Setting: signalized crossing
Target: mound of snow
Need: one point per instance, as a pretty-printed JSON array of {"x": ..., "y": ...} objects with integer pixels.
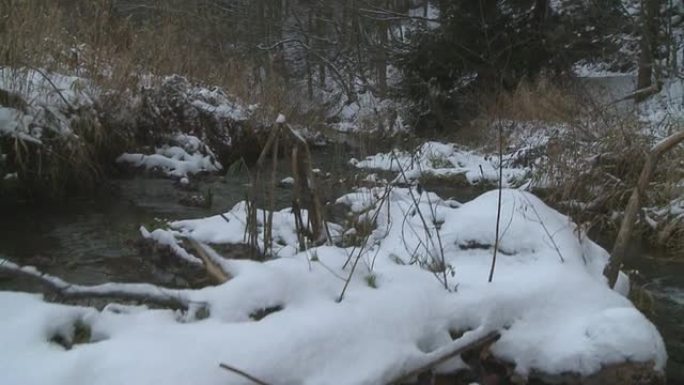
[{"x": 548, "y": 299}]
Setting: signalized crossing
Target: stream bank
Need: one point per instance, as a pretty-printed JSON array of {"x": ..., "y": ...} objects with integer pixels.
[{"x": 92, "y": 241}]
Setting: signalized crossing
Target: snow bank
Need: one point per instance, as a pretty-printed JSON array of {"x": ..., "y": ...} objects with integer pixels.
[
  {"x": 442, "y": 160},
  {"x": 189, "y": 156},
  {"x": 548, "y": 298}
]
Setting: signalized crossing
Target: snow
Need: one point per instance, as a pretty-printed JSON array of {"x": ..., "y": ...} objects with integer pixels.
[
  {"x": 445, "y": 160},
  {"x": 190, "y": 157},
  {"x": 369, "y": 114},
  {"x": 585, "y": 69},
  {"x": 43, "y": 102},
  {"x": 212, "y": 101},
  {"x": 230, "y": 228},
  {"x": 665, "y": 109},
  {"x": 287, "y": 182},
  {"x": 548, "y": 299}
]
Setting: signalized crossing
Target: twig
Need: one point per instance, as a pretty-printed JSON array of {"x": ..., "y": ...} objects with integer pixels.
[
  {"x": 498, "y": 205},
  {"x": 546, "y": 230},
  {"x": 425, "y": 226},
  {"x": 361, "y": 249},
  {"x": 59, "y": 92},
  {"x": 243, "y": 374}
]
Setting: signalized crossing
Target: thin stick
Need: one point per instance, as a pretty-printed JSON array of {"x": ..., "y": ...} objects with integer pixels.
[
  {"x": 243, "y": 374},
  {"x": 268, "y": 229},
  {"x": 498, "y": 205}
]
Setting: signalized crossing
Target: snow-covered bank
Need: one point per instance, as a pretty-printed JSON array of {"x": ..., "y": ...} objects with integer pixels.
[
  {"x": 60, "y": 132},
  {"x": 43, "y": 111},
  {"x": 446, "y": 160},
  {"x": 281, "y": 320},
  {"x": 186, "y": 155}
]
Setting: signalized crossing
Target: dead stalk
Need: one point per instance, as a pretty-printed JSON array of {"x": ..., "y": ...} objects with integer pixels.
[
  {"x": 427, "y": 228},
  {"x": 243, "y": 374},
  {"x": 498, "y": 206}
]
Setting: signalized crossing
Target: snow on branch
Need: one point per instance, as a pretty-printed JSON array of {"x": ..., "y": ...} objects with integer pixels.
[
  {"x": 471, "y": 340},
  {"x": 144, "y": 292}
]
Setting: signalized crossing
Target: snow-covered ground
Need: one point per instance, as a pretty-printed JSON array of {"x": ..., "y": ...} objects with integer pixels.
[{"x": 548, "y": 299}]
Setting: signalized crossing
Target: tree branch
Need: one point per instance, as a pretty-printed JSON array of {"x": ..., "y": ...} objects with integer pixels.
[
  {"x": 469, "y": 341},
  {"x": 143, "y": 292},
  {"x": 612, "y": 269}
]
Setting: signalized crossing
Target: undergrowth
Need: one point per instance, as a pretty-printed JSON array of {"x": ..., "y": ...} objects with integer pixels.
[{"x": 121, "y": 55}]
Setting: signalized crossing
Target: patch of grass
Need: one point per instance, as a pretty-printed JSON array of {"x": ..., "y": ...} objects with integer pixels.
[
  {"x": 80, "y": 333},
  {"x": 438, "y": 161},
  {"x": 372, "y": 280}
]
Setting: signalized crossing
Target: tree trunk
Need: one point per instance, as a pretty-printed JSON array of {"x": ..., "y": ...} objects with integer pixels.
[{"x": 650, "y": 12}]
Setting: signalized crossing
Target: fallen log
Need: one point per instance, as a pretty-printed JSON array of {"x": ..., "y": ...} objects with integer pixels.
[{"x": 139, "y": 292}]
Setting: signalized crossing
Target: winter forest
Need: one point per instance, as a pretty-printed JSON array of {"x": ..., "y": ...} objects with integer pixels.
[{"x": 342, "y": 192}]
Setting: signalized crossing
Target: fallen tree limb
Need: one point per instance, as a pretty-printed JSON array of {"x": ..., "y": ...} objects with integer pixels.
[
  {"x": 212, "y": 266},
  {"x": 620, "y": 247},
  {"x": 142, "y": 292},
  {"x": 469, "y": 341}
]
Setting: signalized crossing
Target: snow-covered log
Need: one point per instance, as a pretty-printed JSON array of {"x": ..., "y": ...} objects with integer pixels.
[{"x": 142, "y": 292}]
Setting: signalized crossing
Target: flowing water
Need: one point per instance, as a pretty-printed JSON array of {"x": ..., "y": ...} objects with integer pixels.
[{"x": 91, "y": 241}]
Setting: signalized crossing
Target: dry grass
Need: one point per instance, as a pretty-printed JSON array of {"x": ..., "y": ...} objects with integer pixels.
[
  {"x": 120, "y": 54},
  {"x": 591, "y": 172},
  {"x": 592, "y": 160},
  {"x": 539, "y": 100},
  {"x": 91, "y": 39}
]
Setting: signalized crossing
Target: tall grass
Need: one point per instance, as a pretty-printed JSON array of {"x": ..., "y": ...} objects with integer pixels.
[{"x": 120, "y": 53}]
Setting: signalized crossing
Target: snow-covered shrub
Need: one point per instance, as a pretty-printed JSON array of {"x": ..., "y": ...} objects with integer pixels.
[
  {"x": 51, "y": 131},
  {"x": 177, "y": 105}
]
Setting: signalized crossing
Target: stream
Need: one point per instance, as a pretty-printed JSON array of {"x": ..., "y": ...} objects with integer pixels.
[{"x": 91, "y": 240}]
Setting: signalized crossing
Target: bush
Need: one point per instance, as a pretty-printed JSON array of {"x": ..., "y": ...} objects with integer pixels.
[{"x": 490, "y": 46}]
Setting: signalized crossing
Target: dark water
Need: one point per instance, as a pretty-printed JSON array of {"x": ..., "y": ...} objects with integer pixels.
[
  {"x": 91, "y": 241},
  {"x": 662, "y": 279}
]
